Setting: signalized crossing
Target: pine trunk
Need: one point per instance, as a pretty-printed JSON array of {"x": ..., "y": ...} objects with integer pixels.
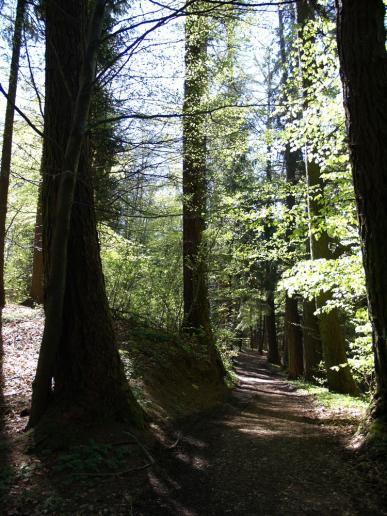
[
  {"x": 262, "y": 344},
  {"x": 79, "y": 376},
  {"x": 361, "y": 37},
  {"x": 292, "y": 331}
]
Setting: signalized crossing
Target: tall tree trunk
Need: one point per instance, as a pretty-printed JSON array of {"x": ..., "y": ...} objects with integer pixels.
[
  {"x": 270, "y": 280},
  {"x": 293, "y": 336},
  {"x": 36, "y": 288},
  {"x": 6, "y": 153},
  {"x": 196, "y": 303},
  {"x": 197, "y": 321},
  {"x": 271, "y": 331},
  {"x": 262, "y": 344},
  {"x": 310, "y": 346},
  {"x": 292, "y": 330},
  {"x": 78, "y": 352},
  {"x": 332, "y": 334},
  {"x": 311, "y": 340},
  {"x": 361, "y": 38}
]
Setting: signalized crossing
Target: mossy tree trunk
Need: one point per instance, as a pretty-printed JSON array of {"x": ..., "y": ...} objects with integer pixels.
[
  {"x": 196, "y": 321},
  {"x": 361, "y": 38},
  {"x": 196, "y": 303}
]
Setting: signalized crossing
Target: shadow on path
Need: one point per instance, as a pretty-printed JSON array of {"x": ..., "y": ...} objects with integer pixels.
[{"x": 262, "y": 453}]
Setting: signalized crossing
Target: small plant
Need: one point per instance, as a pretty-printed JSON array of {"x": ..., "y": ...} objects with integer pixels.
[
  {"x": 91, "y": 459},
  {"x": 26, "y": 470}
]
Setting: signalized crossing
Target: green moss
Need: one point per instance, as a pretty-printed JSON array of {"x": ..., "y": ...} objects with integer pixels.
[
  {"x": 331, "y": 400},
  {"x": 376, "y": 434}
]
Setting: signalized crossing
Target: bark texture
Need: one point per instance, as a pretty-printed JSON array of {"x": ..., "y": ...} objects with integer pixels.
[
  {"x": 6, "y": 154},
  {"x": 78, "y": 353},
  {"x": 312, "y": 351},
  {"x": 270, "y": 330},
  {"x": 36, "y": 289},
  {"x": 361, "y": 38},
  {"x": 292, "y": 328},
  {"x": 293, "y": 336}
]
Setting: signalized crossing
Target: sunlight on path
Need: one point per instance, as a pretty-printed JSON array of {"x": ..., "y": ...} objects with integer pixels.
[{"x": 264, "y": 453}]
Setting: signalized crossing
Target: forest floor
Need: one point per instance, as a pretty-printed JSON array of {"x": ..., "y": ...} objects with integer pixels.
[{"x": 269, "y": 449}]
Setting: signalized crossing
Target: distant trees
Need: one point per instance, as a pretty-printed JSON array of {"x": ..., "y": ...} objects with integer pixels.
[{"x": 361, "y": 37}]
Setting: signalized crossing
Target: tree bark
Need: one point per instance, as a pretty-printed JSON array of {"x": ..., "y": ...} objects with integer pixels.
[
  {"x": 6, "y": 154},
  {"x": 293, "y": 336},
  {"x": 292, "y": 329},
  {"x": 361, "y": 38},
  {"x": 78, "y": 352},
  {"x": 270, "y": 330},
  {"x": 312, "y": 350},
  {"x": 36, "y": 289},
  {"x": 332, "y": 333}
]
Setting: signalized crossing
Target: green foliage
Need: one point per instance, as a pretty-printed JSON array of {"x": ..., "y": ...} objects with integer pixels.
[
  {"x": 21, "y": 214},
  {"x": 143, "y": 277},
  {"x": 343, "y": 277},
  {"x": 361, "y": 353}
]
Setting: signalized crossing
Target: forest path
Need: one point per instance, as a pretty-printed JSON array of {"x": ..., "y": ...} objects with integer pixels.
[{"x": 262, "y": 453}]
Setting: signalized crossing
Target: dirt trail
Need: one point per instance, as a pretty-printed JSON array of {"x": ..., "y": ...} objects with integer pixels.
[{"x": 263, "y": 453}]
